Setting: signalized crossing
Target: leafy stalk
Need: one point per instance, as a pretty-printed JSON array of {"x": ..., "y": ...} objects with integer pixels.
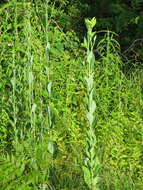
[{"x": 92, "y": 165}]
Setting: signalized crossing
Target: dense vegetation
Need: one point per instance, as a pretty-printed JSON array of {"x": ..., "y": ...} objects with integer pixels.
[{"x": 71, "y": 101}]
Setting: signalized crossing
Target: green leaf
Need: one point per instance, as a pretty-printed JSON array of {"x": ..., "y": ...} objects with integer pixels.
[
  {"x": 96, "y": 181},
  {"x": 48, "y": 46},
  {"x": 91, "y": 59},
  {"x": 31, "y": 78},
  {"x": 52, "y": 147},
  {"x": 89, "y": 81},
  {"x": 87, "y": 175},
  {"x": 93, "y": 106},
  {"x": 34, "y": 107},
  {"x": 85, "y": 44},
  {"x": 90, "y": 23},
  {"x": 49, "y": 86},
  {"x": 90, "y": 118}
]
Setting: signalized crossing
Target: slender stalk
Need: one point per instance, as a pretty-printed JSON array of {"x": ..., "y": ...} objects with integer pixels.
[
  {"x": 92, "y": 165},
  {"x": 13, "y": 81},
  {"x": 29, "y": 70},
  {"x": 47, "y": 51}
]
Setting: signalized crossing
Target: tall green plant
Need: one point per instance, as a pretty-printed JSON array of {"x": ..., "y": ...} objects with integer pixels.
[{"x": 92, "y": 165}]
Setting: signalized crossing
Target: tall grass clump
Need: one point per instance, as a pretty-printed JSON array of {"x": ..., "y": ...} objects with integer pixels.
[
  {"x": 39, "y": 86},
  {"x": 92, "y": 165},
  {"x": 118, "y": 118},
  {"x": 27, "y": 159}
]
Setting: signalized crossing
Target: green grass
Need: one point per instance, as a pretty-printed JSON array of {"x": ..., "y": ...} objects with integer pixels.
[{"x": 44, "y": 101}]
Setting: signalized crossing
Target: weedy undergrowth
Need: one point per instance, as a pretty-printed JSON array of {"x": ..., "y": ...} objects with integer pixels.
[
  {"x": 28, "y": 163},
  {"x": 52, "y": 145},
  {"x": 92, "y": 164},
  {"x": 42, "y": 102}
]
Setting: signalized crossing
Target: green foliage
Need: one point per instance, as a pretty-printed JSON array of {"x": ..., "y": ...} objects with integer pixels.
[
  {"x": 5, "y": 130},
  {"x": 45, "y": 98},
  {"x": 27, "y": 167},
  {"x": 122, "y": 17}
]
